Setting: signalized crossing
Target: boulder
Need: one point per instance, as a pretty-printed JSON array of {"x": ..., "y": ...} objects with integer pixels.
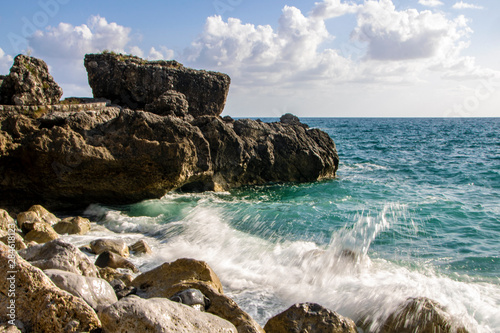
[
  {"x": 133, "y": 82},
  {"x": 6, "y": 221},
  {"x": 36, "y": 214},
  {"x": 29, "y": 83},
  {"x": 421, "y": 315},
  {"x": 140, "y": 247},
  {"x": 117, "y": 246},
  {"x": 110, "y": 274},
  {"x": 170, "y": 103},
  {"x": 14, "y": 238},
  {"x": 39, "y": 304},
  {"x": 7, "y": 328},
  {"x": 113, "y": 260},
  {"x": 95, "y": 291},
  {"x": 309, "y": 317},
  {"x": 73, "y": 225},
  {"x": 171, "y": 278},
  {"x": 41, "y": 233},
  {"x": 192, "y": 297},
  {"x": 134, "y": 314},
  {"x": 57, "y": 254}
]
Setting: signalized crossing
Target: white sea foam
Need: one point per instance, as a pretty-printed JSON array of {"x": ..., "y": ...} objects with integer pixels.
[{"x": 267, "y": 276}]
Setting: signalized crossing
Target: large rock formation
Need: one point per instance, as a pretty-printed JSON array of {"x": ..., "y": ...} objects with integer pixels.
[
  {"x": 133, "y": 82},
  {"x": 29, "y": 83},
  {"x": 119, "y": 156}
]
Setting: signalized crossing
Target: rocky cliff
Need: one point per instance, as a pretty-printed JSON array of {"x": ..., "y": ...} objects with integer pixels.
[{"x": 118, "y": 155}]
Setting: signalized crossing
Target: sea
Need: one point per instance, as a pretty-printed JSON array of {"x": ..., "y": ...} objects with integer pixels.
[{"x": 413, "y": 212}]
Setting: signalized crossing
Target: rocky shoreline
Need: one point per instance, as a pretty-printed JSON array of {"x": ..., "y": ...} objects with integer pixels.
[{"x": 163, "y": 133}]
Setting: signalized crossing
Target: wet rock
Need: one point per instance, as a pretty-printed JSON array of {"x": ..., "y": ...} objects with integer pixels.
[
  {"x": 95, "y": 291},
  {"x": 121, "y": 289},
  {"x": 134, "y": 314},
  {"x": 192, "y": 297},
  {"x": 39, "y": 304},
  {"x": 309, "y": 317},
  {"x": 113, "y": 260},
  {"x": 117, "y": 246},
  {"x": 170, "y": 278},
  {"x": 40, "y": 232},
  {"x": 140, "y": 247},
  {"x": 134, "y": 83},
  {"x": 29, "y": 83},
  {"x": 110, "y": 274},
  {"x": 421, "y": 315},
  {"x": 57, "y": 254},
  {"x": 73, "y": 225}
]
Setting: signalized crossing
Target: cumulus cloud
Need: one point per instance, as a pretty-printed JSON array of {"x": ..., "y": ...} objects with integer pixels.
[
  {"x": 162, "y": 54},
  {"x": 5, "y": 62},
  {"x": 464, "y": 5},
  {"x": 408, "y": 34},
  {"x": 335, "y": 8},
  {"x": 430, "y": 3},
  {"x": 68, "y": 41},
  {"x": 265, "y": 54}
]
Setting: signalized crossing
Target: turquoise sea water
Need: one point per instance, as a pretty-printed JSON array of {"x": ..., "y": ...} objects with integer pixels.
[{"x": 415, "y": 211}]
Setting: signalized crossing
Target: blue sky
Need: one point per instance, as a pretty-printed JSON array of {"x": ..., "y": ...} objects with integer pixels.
[{"x": 335, "y": 58}]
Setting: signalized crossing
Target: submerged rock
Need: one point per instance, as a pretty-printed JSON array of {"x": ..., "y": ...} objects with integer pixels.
[
  {"x": 134, "y": 314},
  {"x": 39, "y": 304},
  {"x": 29, "y": 83},
  {"x": 133, "y": 82}
]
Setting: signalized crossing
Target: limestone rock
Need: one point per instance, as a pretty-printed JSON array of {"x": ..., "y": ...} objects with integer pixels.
[
  {"x": 134, "y": 314},
  {"x": 113, "y": 260},
  {"x": 41, "y": 233},
  {"x": 7, "y": 328},
  {"x": 133, "y": 82},
  {"x": 14, "y": 238},
  {"x": 39, "y": 304},
  {"x": 29, "y": 83},
  {"x": 73, "y": 225},
  {"x": 57, "y": 254},
  {"x": 140, "y": 247},
  {"x": 36, "y": 214},
  {"x": 95, "y": 291},
  {"x": 110, "y": 274},
  {"x": 117, "y": 246},
  {"x": 309, "y": 317},
  {"x": 170, "y": 103},
  {"x": 6, "y": 221},
  {"x": 171, "y": 278},
  {"x": 421, "y": 315},
  {"x": 112, "y": 156}
]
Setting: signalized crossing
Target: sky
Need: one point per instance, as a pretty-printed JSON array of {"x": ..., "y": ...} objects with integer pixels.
[{"x": 324, "y": 58}]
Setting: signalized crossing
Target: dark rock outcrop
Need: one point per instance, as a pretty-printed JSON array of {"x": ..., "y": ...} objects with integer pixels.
[
  {"x": 29, "y": 83},
  {"x": 119, "y": 156},
  {"x": 133, "y": 82}
]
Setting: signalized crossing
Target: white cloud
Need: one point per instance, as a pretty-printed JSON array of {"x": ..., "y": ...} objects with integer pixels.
[
  {"x": 408, "y": 34},
  {"x": 68, "y": 41},
  {"x": 334, "y": 8},
  {"x": 464, "y": 5},
  {"x": 430, "y": 3},
  {"x": 162, "y": 54},
  {"x": 6, "y": 62}
]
